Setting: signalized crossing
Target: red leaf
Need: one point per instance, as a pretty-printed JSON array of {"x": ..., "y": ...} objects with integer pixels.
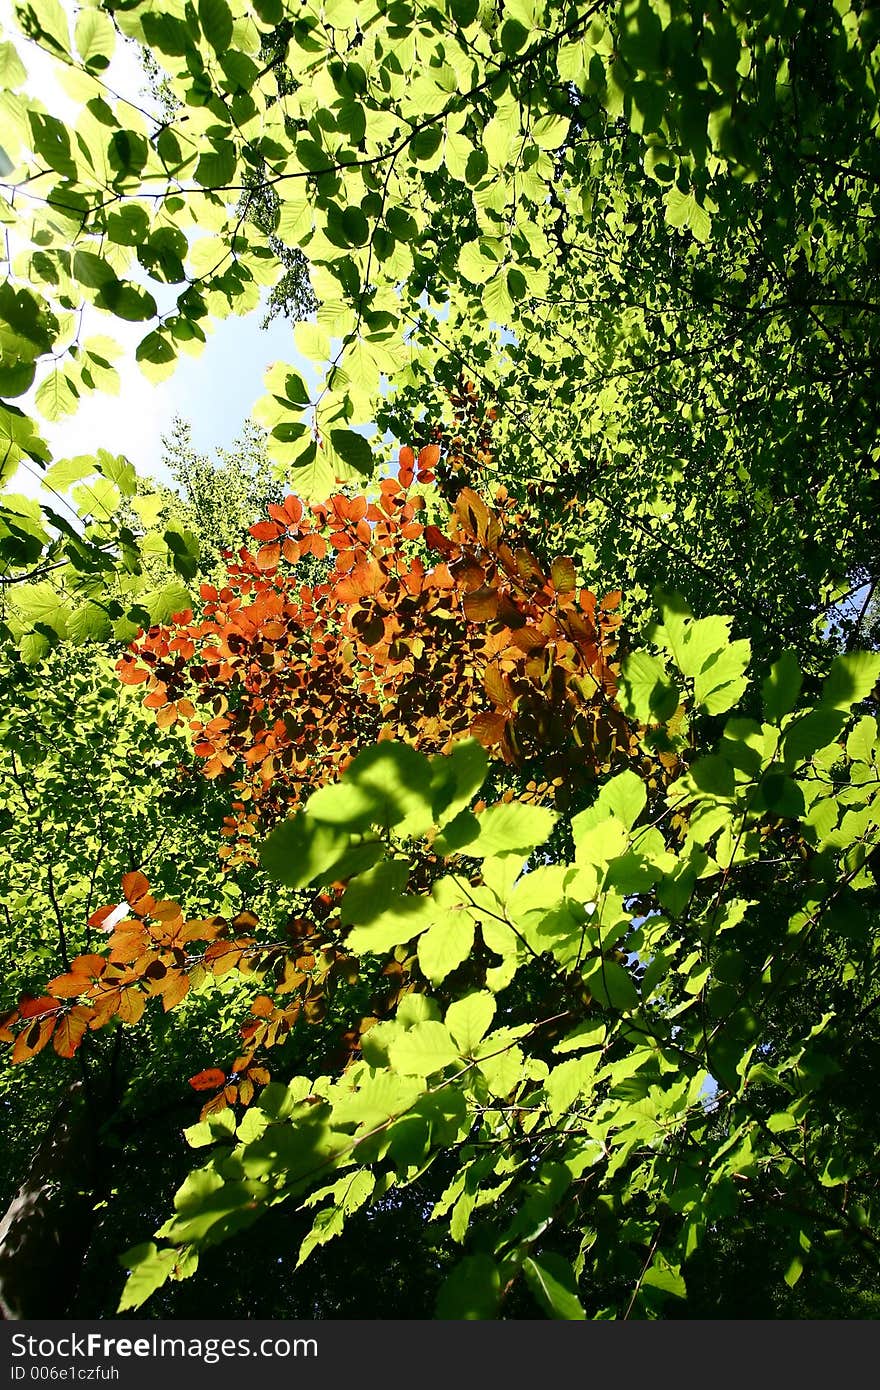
[
  {"x": 489, "y": 728},
  {"x": 34, "y": 1008},
  {"x": 130, "y": 673},
  {"x": 266, "y": 531},
  {"x": 406, "y": 458},
  {"x": 435, "y": 538},
  {"x": 98, "y": 918},
  {"x": 428, "y": 457},
  {"x": 208, "y": 1080}
]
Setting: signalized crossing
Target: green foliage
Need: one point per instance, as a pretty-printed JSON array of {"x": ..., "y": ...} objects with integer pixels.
[
  {"x": 652, "y": 1078},
  {"x": 620, "y": 261},
  {"x": 618, "y": 195}
]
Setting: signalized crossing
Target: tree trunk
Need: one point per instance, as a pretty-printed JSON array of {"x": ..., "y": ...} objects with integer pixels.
[{"x": 47, "y": 1227}]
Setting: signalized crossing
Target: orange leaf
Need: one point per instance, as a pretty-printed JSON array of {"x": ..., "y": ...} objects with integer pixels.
[
  {"x": 528, "y": 567},
  {"x": 6, "y": 1022},
  {"x": 70, "y": 1031},
  {"x": 245, "y": 921},
  {"x": 68, "y": 986},
  {"x": 98, "y": 918},
  {"x": 406, "y": 458},
  {"x": 132, "y": 1003},
  {"x": 166, "y": 717},
  {"x": 214, "y": 1105},
  {"x": 166, "y": 912},
  {"x": 174, "y": 990},
  {"x": 562, "y": 575},
  {"x": 32, "y": 1040},
  {"x": 481, "y": 605},
  {"x": 88, "y": 965},
  {"x": 268, "y": 556},
  {"x": 135, "y": 888},
  {"x": 208, "y": 1080}
]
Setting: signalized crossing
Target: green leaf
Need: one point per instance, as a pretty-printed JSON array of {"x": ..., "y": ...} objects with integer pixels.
[
  {"x": 371, "y": 893},
  {"x": 91, "y": 623},
  {"x": 216, "y": 168},
  {"x": 665, "y": 1277},
  {"x": 612, "y": 985},
  {"x": 456, "y": 777},
  {"x": 552, "y": 1281},
  {"x": 852, "y": 678},
  {"x": 215, "y": 18},
  {"x": 55, "y": 396},
  {"x": 497, "y": 299},
  {"x": 464, "y": 12},
  {"x": 387, "y": 785},
  {"x": 400, "y": 924},
  {"x": 67, "y": 471},
  {"x": 353, "y": 449},
  {"x": 41, "y": 603},
  {"x": 568, "y": 1080},
  {"x": 720, "y": 683},
  {"x": 782, "y": 687},
  {"x": 646, "y": 691},
  {"x": 469, "y": 1019},
  {"x": 33, "y": 646},
  {"x": 127, "y": 301},
  {"x": 447, "y": 942},
  {"x": 511, "y": 828},
  {"x": 157, "y": 356},
  {"x": 162, "y": 603},
  {"x": 12, "y": 70},
  {"x": 119, "y": 471},
  {"x": 471, "y": 1291},
  {"x": 424, "y": 1049},
  {"x": 300, "y": 851},
  {"x": 550, "y": 132},
  {"x": 683, "y": 210},
  {"x": 95, "y": 39},
  {"x": 149, "y": 1268}
]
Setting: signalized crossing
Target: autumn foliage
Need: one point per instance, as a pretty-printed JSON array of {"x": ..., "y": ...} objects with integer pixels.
[
  {"x": 355, "y": 620},
  {"x": 153, "y": 953},
  {"x": 351, "y": 622}
]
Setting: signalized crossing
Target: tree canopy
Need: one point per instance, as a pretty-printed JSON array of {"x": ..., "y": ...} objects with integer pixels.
[{"x": 461, "y": 801}]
